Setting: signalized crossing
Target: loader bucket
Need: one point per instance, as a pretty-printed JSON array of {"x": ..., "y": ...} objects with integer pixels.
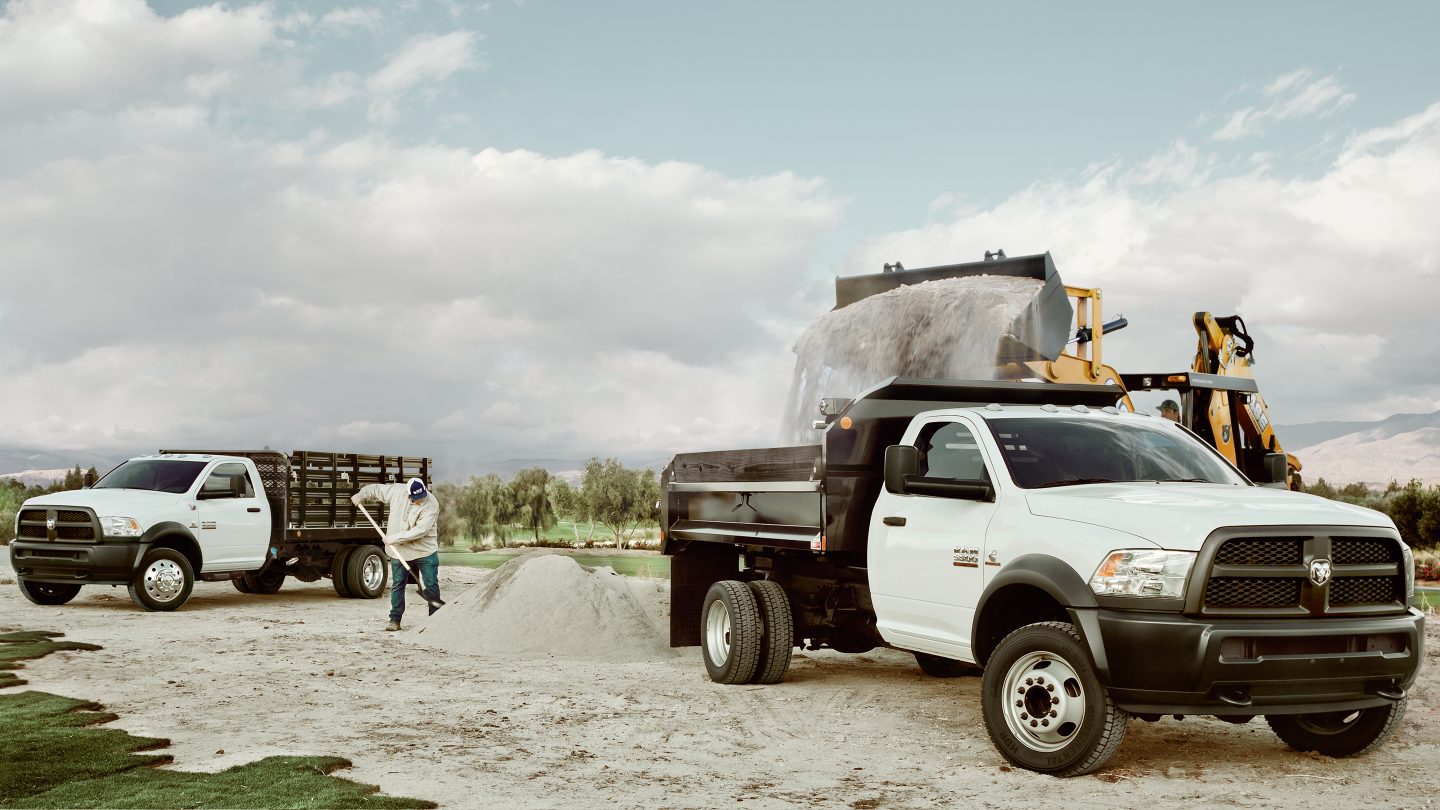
[{"x": 1040, "y": 332}]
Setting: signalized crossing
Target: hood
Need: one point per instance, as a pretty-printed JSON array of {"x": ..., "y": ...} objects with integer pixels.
[
  {"x": 108, "y": 502},
  {"x": 1181, "y": 516}
]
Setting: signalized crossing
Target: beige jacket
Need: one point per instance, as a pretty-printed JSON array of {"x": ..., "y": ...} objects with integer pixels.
[{"x": 410, "y": 526}]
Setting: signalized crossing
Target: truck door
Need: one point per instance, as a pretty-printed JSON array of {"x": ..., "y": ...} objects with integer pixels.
[
  {"x": 925, "y": 566},
  {"x": 234, "y": 532}
]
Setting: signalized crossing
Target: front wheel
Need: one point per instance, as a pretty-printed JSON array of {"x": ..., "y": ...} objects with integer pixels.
[
  {"x": 1339, "y": 734},
  {"x": 730, "y": 632},
  {"x": 163, "y": 581},
  {"x": 1044, "y": 707},
  {"x": 48, "y": 593}
]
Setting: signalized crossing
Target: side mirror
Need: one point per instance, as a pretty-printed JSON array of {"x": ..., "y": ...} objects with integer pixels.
[
  {"x": 90, "y": 479},
  {"x": 1276, "y": 468},
  {"x": 901, "y": 460}
]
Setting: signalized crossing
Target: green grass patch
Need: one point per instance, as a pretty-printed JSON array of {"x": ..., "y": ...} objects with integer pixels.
[
  {"x": 16, "y": 647},
  {"x": 53, "y": 755},
  {"x": 1427, "y": 598},
  {"x": 630, "y": 565}
]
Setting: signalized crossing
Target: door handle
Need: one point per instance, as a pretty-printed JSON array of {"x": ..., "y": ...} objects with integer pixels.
[
  {"x": 253, "y": 509},
  {"x": 894, "y": 521}
]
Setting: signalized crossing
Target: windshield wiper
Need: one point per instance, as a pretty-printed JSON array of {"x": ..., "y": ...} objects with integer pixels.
[{"x": 1075, "y": 482}]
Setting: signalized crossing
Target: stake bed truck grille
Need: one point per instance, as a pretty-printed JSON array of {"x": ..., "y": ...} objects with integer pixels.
[{"x": 69, "y": 524}]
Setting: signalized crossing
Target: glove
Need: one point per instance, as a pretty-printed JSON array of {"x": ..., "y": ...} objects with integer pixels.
[{"x": 391, "y": 552}]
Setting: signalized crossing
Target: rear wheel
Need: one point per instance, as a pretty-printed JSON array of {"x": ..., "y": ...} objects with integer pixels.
[
  {"x": 163, "y": 581},
  {"x": 1339, "y": 734},
  {"x": 337, "y": 572},
  {"x": 1044, "y": 707},
  {"x": 938, "y": 666},
  {"x": 730, "y": 632},
  {"x": 366, "y": 572},
  {"x": 241, "y": 584},
  {"x": 48, "y": 593},
  {"x": 267, "y": 579},
  {"x": 777, "y": 638}
]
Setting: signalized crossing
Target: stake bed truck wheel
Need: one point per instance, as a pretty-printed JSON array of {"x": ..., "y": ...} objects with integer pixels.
[
  {"x": 241, "y": 584},
  {"x": 366, "y": 572},
  {"x": 48, "y": 593},
  {"x": 1044, "y": 707},
  {"x": 267, "y": 579},
  {"x": 163, "y": 581},
  {"x": 938, "y": 666},
  {"x": 337, "y": 572},
  {"x": 777, "y": 637},
  {"x": 1339, "y": 734},
  {"x": 730, "y": 632}
]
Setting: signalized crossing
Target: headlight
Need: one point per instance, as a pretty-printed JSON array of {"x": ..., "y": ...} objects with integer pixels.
[
  {"x": 1409, "y": 573},
  {"x": 1137, "y": 572},
  {"x": 121, "y": 527}
]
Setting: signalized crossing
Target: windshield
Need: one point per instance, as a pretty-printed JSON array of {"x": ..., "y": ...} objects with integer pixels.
[
  {"x": 154, "y": 475},
  {"x": 1051, "y": 452}
]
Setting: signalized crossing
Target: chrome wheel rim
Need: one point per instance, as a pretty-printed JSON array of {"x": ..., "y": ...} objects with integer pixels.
[
  {"x": 1043, "y": 701},
  {"x": 164, "y": 580},
  {"x": 373, "y": 574},
  {"x": 717, "y": 632}
]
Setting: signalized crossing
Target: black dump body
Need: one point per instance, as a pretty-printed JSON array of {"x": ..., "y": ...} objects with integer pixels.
[
  {"x": 309, "y": 492},
  {"x": 819, "y": 498}
]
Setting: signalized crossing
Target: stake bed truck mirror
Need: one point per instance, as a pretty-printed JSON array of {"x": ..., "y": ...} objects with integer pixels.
[{"x": 1276, "y": 471}]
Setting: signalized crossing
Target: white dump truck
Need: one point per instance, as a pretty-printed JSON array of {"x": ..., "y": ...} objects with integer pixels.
[
  {"x": 157, "y": 523},
  {"x": 1094, "y": 564}
]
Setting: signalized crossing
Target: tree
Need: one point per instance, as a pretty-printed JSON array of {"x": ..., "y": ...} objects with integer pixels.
[
  {"x": 451, "y": 526},
  {"x": 619, "y": 497},
  {"x": 529, "y": 490},
  {"x": 568, "y": 504}
]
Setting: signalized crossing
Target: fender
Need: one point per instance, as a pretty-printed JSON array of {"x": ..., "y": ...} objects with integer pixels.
[
  {"x": 160, "y": 531},
  {"x": 1065, "y": 586}
]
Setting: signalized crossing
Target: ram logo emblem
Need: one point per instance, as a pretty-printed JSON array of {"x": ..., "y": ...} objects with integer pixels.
[
  {"x": 1320, "y": 572},
  {"x": 50, "y": 524}
]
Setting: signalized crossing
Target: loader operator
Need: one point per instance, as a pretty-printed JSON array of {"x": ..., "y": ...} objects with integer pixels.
[
  {"x": 1170, "y": 409},
  {"x": 410, "y": 534}
]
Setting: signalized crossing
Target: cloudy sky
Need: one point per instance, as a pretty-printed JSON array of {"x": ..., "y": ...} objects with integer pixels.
[{"x": 556, "y": 229}]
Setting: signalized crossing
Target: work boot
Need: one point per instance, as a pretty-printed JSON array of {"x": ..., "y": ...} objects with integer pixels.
[{"x": 393, "y": 625}]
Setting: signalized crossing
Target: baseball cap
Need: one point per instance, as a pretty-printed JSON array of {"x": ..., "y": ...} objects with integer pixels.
[
  {"x": 1168, "y": 405},
  {"x": 417, "y": 489}
]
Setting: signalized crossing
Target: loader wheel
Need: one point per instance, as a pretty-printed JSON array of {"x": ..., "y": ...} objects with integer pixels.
[
  {"x": 938, "y": 666},
  {"x": 163, "y": 580},
  {"x": 240, "y": 584},
  {"x": 1339, "y": 734},
  {"x": 337, "y": 572},
  {"x": 777, "y": 637},
  {"x": 268, "y": 579},
  {"x": 730, "y": 632},
  {"x": 1044, "y": 707},
  {"x": 366, "y": 572},
  {"x": 48, "y": 593}
]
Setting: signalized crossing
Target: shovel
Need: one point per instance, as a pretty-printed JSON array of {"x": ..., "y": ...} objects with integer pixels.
[{"x": 436, "y": 603}]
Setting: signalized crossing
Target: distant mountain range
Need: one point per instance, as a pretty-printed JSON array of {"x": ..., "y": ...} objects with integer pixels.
[{"x": 1397, "y": 448}]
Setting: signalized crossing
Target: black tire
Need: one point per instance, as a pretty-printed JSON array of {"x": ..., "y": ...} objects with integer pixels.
[
  {"x": 48, "y": 593},
  {"x": 777, "y": 636},
  {"x": 360, "y": 580},
  {"x": 268, "y": 579},
  {"x": 241, "y": 584},
  {"x": 1339, "y": 734},
  {"x": 730, "y": 632},
  {"x": 938, "y": 666},
  {"x": 163, "y": 581},
  {"x": 1041, "y": 674},
  {"x": 337, "y": 572}
]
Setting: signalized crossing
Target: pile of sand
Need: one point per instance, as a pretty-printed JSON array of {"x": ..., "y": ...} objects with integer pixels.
[{"x": 547, "y": 605}]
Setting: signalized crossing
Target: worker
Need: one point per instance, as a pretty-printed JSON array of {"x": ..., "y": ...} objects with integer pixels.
[
  {"x": 410, "y": 535},
  {"x": 1170, "y": 409}
]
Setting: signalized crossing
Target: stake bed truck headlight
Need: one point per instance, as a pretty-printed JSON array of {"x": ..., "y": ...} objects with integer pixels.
[
  {"x": 122, "y": 527},
  {"x": 1409, "y": 573},
  {"x": 1140, "y": 572}
]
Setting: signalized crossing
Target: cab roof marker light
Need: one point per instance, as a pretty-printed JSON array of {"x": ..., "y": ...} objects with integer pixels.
[{"x": 1048, "y": 408}]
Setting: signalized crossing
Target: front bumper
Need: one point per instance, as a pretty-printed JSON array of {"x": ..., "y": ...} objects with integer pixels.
[
  {"x": 109, "y": 563},
  {"x": 1165, "y": 663}
]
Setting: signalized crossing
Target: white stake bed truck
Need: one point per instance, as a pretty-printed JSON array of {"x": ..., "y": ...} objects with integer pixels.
[
  {"x": 157, "y": 523},
  {"x": 1095, "y": 564}
]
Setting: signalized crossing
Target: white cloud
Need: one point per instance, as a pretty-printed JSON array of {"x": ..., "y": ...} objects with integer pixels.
[
  {"x": 352, "y": 17},
  {"x": 1298, "y": 94},
  {"x": 1335, "y": 275},
  {"x": 419, "y": 64}
]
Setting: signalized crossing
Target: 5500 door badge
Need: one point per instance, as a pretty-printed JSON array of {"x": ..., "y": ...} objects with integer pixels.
[
  {"x": 967, "y": 557},
  {"x": 207, "y": 524}
]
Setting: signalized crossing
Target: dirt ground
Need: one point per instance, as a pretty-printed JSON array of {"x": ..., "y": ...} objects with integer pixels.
[{"x": 234, "y": 677}]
